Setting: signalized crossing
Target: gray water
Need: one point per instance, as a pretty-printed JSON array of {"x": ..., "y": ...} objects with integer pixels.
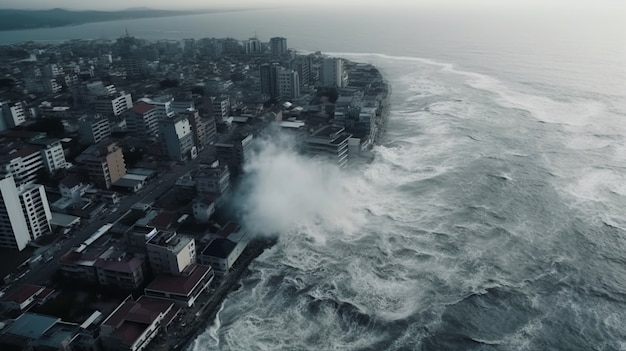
[{"x": 492, "y": 217}]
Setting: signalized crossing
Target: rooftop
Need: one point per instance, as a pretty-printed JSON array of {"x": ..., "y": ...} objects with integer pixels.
[
  {"x": 142, "y": 107},
  {"x": 180, "y": 284},
  {"x": 23, "y": 293},
  {"x": 220, "y": 248}
]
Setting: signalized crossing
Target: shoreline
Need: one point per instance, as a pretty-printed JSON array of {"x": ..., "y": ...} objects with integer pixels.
[{"x": 208, "y": 312}]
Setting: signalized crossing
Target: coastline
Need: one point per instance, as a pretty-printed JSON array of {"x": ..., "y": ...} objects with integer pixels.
[{"x": 208, "y": 311}]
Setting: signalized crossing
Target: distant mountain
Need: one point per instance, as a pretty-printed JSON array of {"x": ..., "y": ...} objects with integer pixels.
[{"x": 29, "y": 19}]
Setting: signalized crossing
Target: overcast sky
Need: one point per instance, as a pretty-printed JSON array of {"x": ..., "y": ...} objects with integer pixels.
[{"x": 204, "y": 4}]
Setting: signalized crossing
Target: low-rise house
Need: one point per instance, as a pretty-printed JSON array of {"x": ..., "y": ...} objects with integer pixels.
[
  {"x": 225, "y": 248},
  {"x": 25, "y": 296},
  {"x": 134, "y": 324},
  {"x": 183, "y": 289}
]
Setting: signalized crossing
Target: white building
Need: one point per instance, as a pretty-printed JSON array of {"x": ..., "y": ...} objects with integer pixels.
[
  {"x": 13, "y": 227},
  {"x": 23, "y": 162},
  {"x": 51, "y": 153},
  {"x": 24, "y": 213},
  {"x": 12, "y": 114},
  {"x": 93, "y": 128},
  {"x": 36, "y": 209},
  {"x": 113, "y": 105},
  {"x": 203, "y": 208},
  {"x": 169, "y": 252}
]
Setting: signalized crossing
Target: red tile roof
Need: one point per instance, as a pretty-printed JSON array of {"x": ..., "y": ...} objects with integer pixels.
[
  {"x": 163, "y": 220},
  {"x": 125, "y": 266},
  {"x": 132, "y": 318},
  {"x": 142, "y": 107},
  {"x": 23, "y": 293},
  {"x": 181, "y": 285},
  {"x": 228, "y": 229}
]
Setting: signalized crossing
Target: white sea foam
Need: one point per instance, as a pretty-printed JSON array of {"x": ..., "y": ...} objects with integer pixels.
[{"x": 394, "y": 242}]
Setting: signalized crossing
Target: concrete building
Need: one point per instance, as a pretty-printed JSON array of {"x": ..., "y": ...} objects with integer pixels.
[
  {"x": 24, "y": 297},
  {"x": 234, "y": 151},
  {"x": 177, "y": 138},
  {"x": 98, "y": 260},
  {"x": 24, "y": 213},
  {"x": 13, "y": 227},
  {"x": 104, "y": 162},
  {"x": 212, "y": 178},
  {"x": 52, "y": 153},
  {"x": 220, "y": 107},
  {"x": 288, "y": 83},
  {"x": 36, "y": 210},
  {"x": 142, "y": 121},
  {"x": 278, "y": 46},
  {"x": 93, "y": 128},
  {"x": 171, "y": 253},
  {"x": 204, "y": 129},
  {"x": 224, "y": 250},
  {"x": 133, "y": 324},
  {"x": 21, "y": 161},
  {"x": 183, "y": 289},
  {"x": 333, "y": 73},
  {"x": 330, "y": 142},
  {"x": 204, "y": 207},
  {"x": 113, "y": 105},
  {"x": 253, "y": 46},
  {"x": 31, "y": 331},
  {"x": 269, "y": 82},
  {"x": 13, "y": 114}
]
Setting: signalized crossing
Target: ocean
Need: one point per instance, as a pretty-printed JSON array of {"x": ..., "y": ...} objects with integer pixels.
[{"x": 492, "y": 215}]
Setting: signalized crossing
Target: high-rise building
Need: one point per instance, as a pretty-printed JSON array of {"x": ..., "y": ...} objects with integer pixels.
[
  {"x": 21, "y": 161},
  {"x": 51, "y": 153},
  {"x": 269, "y": 82},
  {"x": 93, "y": 128},
  {"x": 288, "y": 83},
  {"x": 234, "y": 151},
  {"x": 104, "y": 162},
  {"x": 220, "y": 107},
  {"x": 213, "y": 178},
  {"x": 177, "y": 138},
  {"x": 253, "y": 46},
  {"x": 12, "y": 114},
  {"x": 13, "y": 227},
  {"x": 203, "y": 129},
  {"x": 24, "y": 213},
  {"x": 278, "y": 46},
  {"x": 142, "y": 121},
  {"x": 36, "y": 209},
  {"x": 112, "y": 105},
  {"x": 333, "y": 73},
  {"x": 303, "y": 65}
]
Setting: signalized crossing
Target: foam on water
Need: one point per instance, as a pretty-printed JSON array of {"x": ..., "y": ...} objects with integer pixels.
[{"x": 475, "y": 227}]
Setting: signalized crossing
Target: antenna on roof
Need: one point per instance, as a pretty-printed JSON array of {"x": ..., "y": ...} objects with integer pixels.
[{"x": 127, "y": 35}]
